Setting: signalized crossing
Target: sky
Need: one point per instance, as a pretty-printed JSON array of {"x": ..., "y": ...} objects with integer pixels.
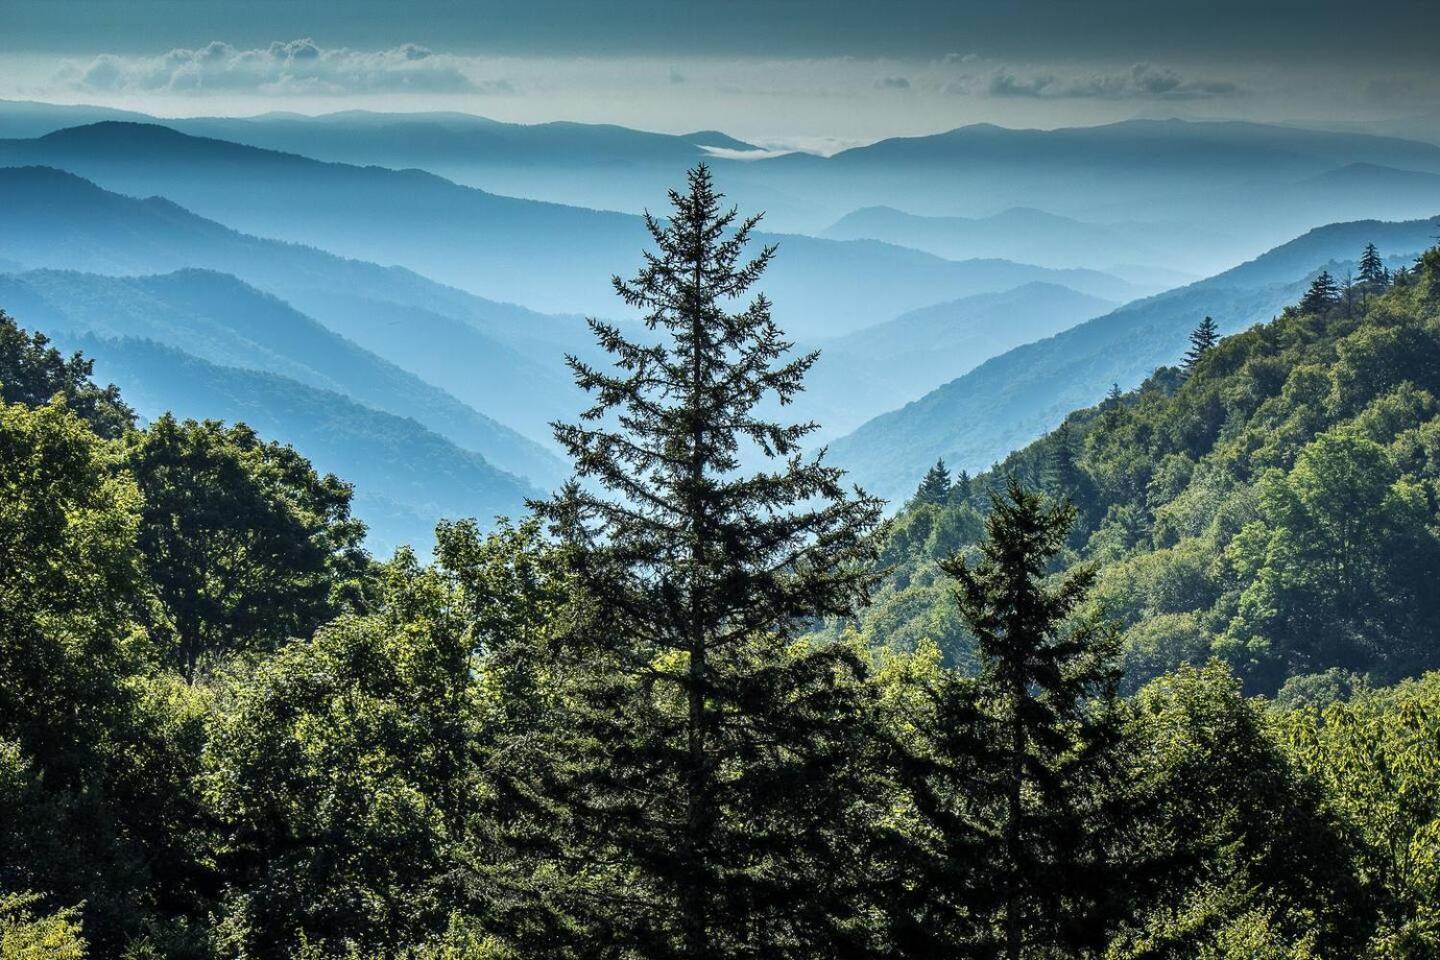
[{"x": 781, "y": 72}]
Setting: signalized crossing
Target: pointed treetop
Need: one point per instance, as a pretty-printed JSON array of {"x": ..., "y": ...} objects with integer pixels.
[
  {"x": 936, "y": 486},
  {"x": 1324, "y": 293},
  {"x": 1202, "y": 340},
  {"x": 1372, "y": 268}
]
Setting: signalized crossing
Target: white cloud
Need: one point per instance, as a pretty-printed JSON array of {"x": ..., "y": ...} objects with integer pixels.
[
  {"x": 294, "y": 67},
  {"x": 1143, "y": 81}
]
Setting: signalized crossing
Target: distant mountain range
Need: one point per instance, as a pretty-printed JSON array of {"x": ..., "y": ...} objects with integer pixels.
[
  {"x": 1021, "y": 233},
  {"x": 585, "y": 164},
  {"x": 405, "y": 477},
  {"x": 1230, "y": 189},
  {"x": 1012, "y": 398},
  {"x": 207, "y": 344},
  {"x": 399, "y": 343},
  {"x": 1200, "y": 196},
  {"x": 218, "y": 318},
  {"x": 399, "y": 290},
  {"x": 890, "y": 364},
  {"x": 496, "y": 358},
  {"x": 547, "y": 256}
]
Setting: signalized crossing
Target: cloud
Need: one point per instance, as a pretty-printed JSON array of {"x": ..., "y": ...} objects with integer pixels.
[
  {"x": 1143, "y": 81},
  {"x": 893, "y": 83},
  {"x": 293, "y": 67}
]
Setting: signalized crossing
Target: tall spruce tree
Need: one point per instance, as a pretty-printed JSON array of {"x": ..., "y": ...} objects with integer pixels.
[
  {"x": 1063, "y": 475},
  {"x": 1202, "y": 340},
  {"x": 1041, "y": 771},
  {"x": 1372, "y": 269},
  {"x": 935, "y": 487},
  {"x": 1323, "y": 294},
  {"x": 700, "y": 762}
]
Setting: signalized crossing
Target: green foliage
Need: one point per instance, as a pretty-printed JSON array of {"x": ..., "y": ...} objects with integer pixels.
[
  {"x": 69, "y": 720},
  {"x": 1011, "y": 774},
  {"x": 1227, "y": 827},
  {"x": 26, "y": 936},
  {"x": 1378, "y": 759},
  {"x": 690, "y": 720},
  {"x": 32, "y": 372},
  {"x": 1277, "y": 505},
  {"x": 341, "y": 772},
  {"x": 603, "y": 731},
  {"x": 245, "y": 544},
  {"x": 1339, "y": 566},
  {"x": 1202, "y": 340}
]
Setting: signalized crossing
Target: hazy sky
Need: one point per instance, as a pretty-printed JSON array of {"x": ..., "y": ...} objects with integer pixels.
[{"x": 791, "y": 71}]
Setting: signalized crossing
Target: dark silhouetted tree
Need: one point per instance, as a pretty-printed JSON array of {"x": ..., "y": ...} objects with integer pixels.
[
  {"x": 1202, "y": 340},
  {"x": 1065, "y": 477},
  {"x": 696, "y": 775},
  {"x": 935, "y": 486},
  {"x": 1372, "y": 268},
  {"x": 1045, "y": 704},
  {"x": 1323, "y": 294}
]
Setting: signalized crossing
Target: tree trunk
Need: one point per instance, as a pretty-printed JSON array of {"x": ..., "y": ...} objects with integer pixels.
[
  {"x": 697, "y": 825},
  {"x": 1013, "y": 919}
]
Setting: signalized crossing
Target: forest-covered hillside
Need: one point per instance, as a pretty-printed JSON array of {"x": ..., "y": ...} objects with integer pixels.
[
  {"x": 1273, "y": 502},
  {"x": 1011, "y": 399},
  {"x": 609, "y": 731}
]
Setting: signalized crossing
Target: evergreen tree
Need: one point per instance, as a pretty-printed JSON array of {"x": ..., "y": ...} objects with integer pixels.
[
  {"x": 1372, "y": 268},
  {"x": 936, "y": 485},
  {"x": 1064, "y": 477},
  {"x": 960, "y": 492},
  {"x": 1323, "y": 294},
  {"x": 1045, "y": 706},
  {"x": 697, "y": 770},
  {"x": 1202, "y": 340}
]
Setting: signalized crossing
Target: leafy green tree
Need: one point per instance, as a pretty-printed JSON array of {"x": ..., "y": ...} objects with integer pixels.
[
  {"x": 691, "y": 719},
  {"x": 32, "y": 372},
  {"x": 24, "y": 935},
  {"x": 1378, "y": 757},
  {"x": 1233, "y": 842},
  {"x": 245, "y": 544},
  {"x": 1044, "y": 750},
  {"x": 1202, "y": 340},
  {"x": 936, "y": 897},
  {"x": 1322, "y": 294},
  {"x": 1340, "y": 565},
  {"x": 341, "y": 772},
  {"x": 69, "y": 653}
]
